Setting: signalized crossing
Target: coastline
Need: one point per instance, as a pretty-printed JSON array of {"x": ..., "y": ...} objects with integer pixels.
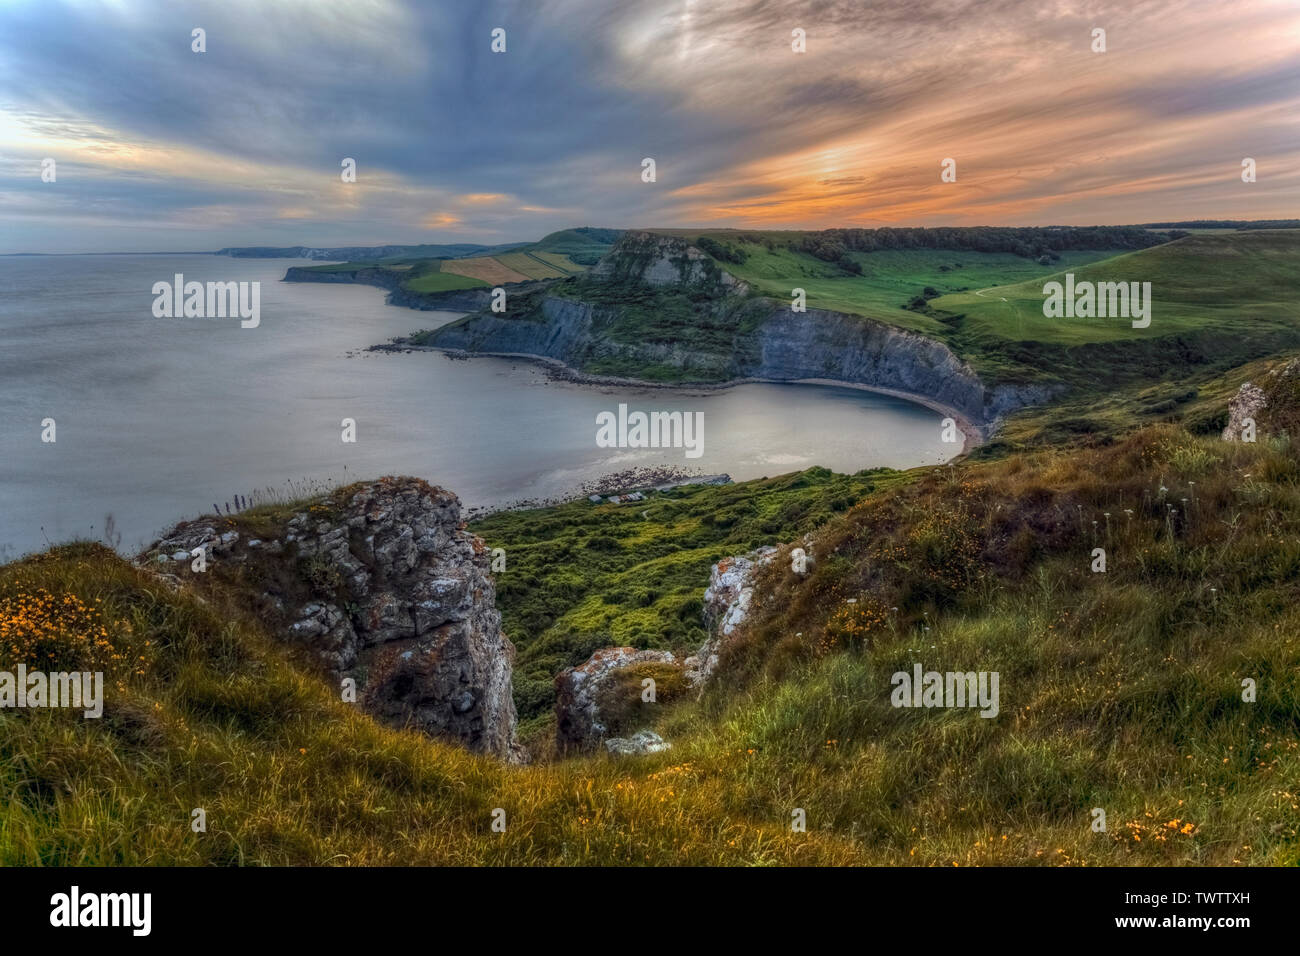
[{"x": 973, "y": 436}]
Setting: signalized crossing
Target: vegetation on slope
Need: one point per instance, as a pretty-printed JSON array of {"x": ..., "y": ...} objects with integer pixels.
[
  {"x": 1119, "y": 690},
  {"x": 580, "y": 577}
]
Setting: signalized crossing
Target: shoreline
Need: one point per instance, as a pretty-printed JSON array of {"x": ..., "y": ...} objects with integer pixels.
[{"x": 972, "y": 435}]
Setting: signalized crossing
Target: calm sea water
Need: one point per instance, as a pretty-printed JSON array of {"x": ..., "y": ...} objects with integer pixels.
[{"x": 158, "y": 419}]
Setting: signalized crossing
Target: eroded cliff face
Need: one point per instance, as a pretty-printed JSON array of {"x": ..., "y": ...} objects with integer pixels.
[
  {"x": 379, "y": 583},
  {"x": 659, "y": 260},
  {"x": 563, "y": 332},
  {"x": 767, "y": 340},
  {"x": 821, "y": 344}
]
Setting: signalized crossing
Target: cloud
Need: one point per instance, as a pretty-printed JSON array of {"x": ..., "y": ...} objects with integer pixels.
[{"x": 551, "y": 133}]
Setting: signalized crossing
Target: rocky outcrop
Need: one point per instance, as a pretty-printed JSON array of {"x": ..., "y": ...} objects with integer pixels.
[
  {"x": 638, "y": 745},
  {"x": 1246, "y": 404},
  {"x": 594, "y": 697},
  {"x": 726, "y": 605},
  {"x": 563, "y": 332},
  {"x": 659, "y": 260},
  {"x": 599, "y": 697},
  {"x": 379, "y": 583},
  {"x": 846, "y": 348},
  {"x": 1274, "y": 404}
]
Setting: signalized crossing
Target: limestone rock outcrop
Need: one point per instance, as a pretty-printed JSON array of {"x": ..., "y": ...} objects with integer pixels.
[
  {"x": 378, "y": 582},
  {"x": 1247, "y": 403},
  {"x": 660, "y": 260},
  {"x": 726, "y": 605},
  {"x": 638, "y": 745},
  {"x": 591, "y": 697},
  {"x": 1274, "y": 404}
]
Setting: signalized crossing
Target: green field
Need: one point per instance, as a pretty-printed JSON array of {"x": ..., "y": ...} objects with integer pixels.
[
  {"x": 1234, "y": 282},
  {"x": 436, "y": 281},
  {"x": 891, "y": 278}
]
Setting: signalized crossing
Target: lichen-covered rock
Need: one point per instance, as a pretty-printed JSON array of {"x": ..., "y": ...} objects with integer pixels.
[
  {"x": 583, "y": 703},
  {"x": 726, "y": 605},
  {"x": 1247, "y": 403},
  {"x": 380, "y": 583},
  {"x": 638, "y": 745},
  {"x": 1274, "y": 404}
]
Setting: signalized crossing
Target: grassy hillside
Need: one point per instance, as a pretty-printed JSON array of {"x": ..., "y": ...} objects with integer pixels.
[
  {"x": 582, "y": 246},
  {"x": 1220, "y": 300},
  {"x": 429, "y": 277},
  {"x": 890, "y": 278},
  {"x": 1119, "y": 690},
  {"x": 1233, "y": 283},
  {"x": 582, "y": 576}
]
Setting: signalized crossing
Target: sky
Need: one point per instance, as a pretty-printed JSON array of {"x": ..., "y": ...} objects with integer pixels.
[{"x": 160, "y": 148}]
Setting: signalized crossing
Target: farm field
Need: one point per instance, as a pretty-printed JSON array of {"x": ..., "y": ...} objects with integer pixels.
[
  {"x": 487, "y": 268},
  {"x": 434, "y": 280}
]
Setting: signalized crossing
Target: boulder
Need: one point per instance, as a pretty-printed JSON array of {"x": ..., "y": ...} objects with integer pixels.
[
  {"x": 639, "y": 744},
  {"x": 1274, "y": 404},
  {"x": 607, "y": 684},
  {"x": 379, "y": 582}
]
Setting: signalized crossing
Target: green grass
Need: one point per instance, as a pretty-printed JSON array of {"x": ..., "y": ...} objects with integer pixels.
[
  {"x": 582, "y": 246},
  {"x": 891, "y": 278},
  {"x": 1120, "y": 691},
  {"x": 1237, "y": 283},
  {"x": 437, "y": 281},
  {"x": 582, "y": 576}
]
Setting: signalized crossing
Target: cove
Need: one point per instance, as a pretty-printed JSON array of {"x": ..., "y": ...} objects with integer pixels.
[{"x": 158, "y": 419}]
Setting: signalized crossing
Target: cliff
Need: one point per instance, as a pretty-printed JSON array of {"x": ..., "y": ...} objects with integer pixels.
[
  {"x": 379, "y": 584},
  {"x": 656, "y": 303}
]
